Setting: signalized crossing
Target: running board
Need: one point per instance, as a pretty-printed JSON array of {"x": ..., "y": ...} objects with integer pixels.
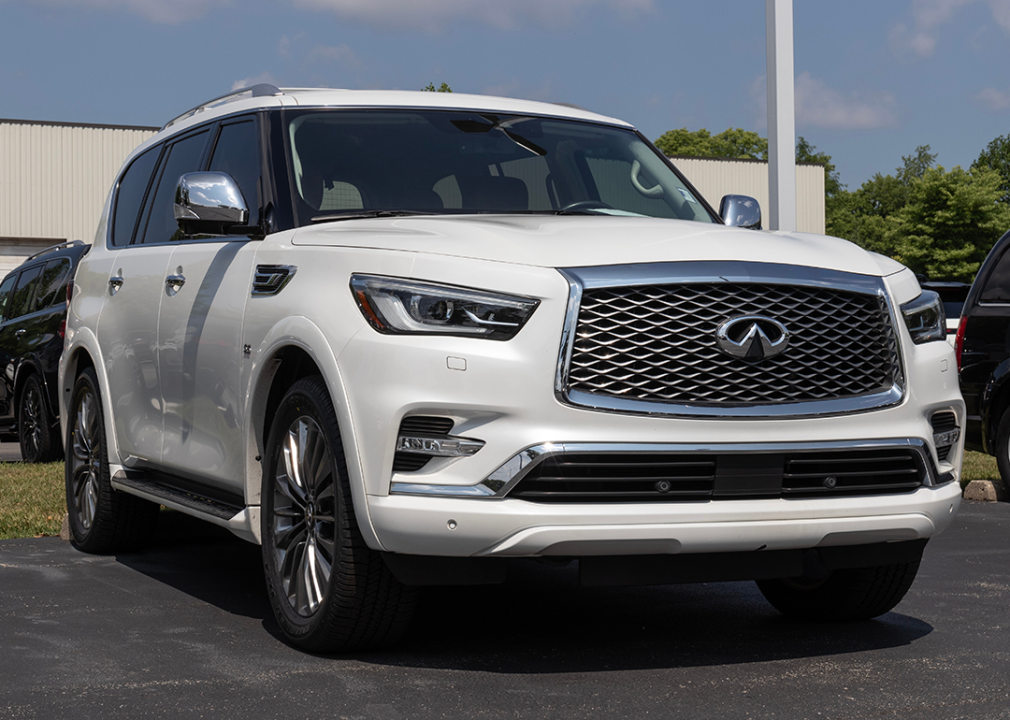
[{"x": 192, "y": 498}]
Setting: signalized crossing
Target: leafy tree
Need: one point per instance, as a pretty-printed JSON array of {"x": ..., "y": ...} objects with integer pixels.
[
  {"x": 730, "y": 143},
  {"x": 858, "y": 216},
  {"x": 430, "y": 87},
  {"x": 950, "y": 222},
  {"x": 996, "y": 156}
]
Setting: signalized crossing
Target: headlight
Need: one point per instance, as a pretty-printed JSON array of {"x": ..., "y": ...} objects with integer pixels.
[
  {"x": 924, "y": 318},
  {"x": 396, "y": 306}
]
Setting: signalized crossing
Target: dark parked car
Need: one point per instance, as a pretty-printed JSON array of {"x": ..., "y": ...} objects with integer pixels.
[
  {"x": 983, "y": 358},
  {"x": 33, "y": 312}
]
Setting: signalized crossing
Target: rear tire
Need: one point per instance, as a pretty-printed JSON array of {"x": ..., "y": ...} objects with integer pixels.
[
  {"x": 39, "y": 442},
  {"x": 328, "y": 590},
  {"x": 849, "y": 594},
  {"x": 102, "y": 520}
]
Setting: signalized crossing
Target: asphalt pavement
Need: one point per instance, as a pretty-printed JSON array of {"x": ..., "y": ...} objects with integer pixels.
[
  {"x": 10, "y": 452},
  {"x": 183, "y": 630}
]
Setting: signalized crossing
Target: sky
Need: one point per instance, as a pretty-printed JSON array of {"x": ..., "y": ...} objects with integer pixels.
[{"x": 874, "y": 79}]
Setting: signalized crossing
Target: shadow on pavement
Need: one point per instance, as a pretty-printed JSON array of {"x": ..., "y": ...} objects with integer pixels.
[{"x": 540, "y": 621}]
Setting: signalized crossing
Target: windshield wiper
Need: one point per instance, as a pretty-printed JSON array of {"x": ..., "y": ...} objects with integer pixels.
[{"x": 359, "y": 214}]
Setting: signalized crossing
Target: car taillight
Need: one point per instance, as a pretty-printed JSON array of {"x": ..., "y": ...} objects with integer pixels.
[
  {"x": 63, "y": 328},
  {"x": 959, "y": 341}
]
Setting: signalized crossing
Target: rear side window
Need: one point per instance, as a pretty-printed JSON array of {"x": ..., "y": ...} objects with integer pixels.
[
  {"x": 24, "y": 292},
  {"x": 130, "y": 197},
  {"x": 5, "y": 294},
  {"x": 182, "y": 157},
  {"x": 53, "y": 283},
  {"x": 997, "y": 287}
]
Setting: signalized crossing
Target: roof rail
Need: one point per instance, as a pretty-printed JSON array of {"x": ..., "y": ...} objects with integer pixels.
[
  {"x": 57, "y": 246},
  {"x": 261, "y": 90}
]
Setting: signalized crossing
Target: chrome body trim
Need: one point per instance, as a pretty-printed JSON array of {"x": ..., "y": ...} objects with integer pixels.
[
  {"x": 498, "y": 484},
  {"x": 582, "y": 278}
]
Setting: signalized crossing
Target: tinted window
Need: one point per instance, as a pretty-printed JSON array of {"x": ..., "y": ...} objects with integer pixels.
[
  {"x": 130, "y": 198},
  {"x": 5, "y": 293},
  {"x": 53, "y": 283},
  {"x": 997, "y": 287},
  {"x": 24, "y": 291},
  {"x": 237, "y": 153},
  {"x": 183, "y": 157}
]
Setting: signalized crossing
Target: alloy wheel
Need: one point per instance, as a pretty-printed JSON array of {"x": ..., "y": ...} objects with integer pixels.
[{"x": 304, "y": 516}]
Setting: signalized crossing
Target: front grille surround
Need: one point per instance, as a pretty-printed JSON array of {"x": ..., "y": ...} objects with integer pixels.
[{"x": 700, "y": 363}]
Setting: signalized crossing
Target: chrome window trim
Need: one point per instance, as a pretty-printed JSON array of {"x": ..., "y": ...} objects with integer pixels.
[
  {"x": 673, "y": 273},
  {"x": 498, "y": 484}
]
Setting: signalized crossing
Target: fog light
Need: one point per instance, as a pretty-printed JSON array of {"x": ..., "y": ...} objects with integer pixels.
[
  {"x": 949, "y": 437},
  {"x": 438, "y": 446}
]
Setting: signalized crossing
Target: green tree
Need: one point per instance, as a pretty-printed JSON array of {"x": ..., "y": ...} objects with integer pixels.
[
  {"x": 949, "y": 223},
  {"x": 430, "y": 87},
  {"x": 859, "y": 215},
  {"x": 730, "y": 143},
  {"x": 996, "y": 156}
]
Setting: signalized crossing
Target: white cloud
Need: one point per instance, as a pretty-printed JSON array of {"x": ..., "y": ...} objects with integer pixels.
[
  {"x": 434, "y": 14},
  {"x": 818, "y": 105},
  {"x": 161, "y": 11},
  {"x": 993, "y": 99},
  {"x": 340, "y": 54},
  {"x": 254, "y": 80},
  {"x": 919, "y": 39}
]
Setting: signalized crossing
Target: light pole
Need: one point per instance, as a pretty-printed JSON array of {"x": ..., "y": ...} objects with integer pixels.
[{"x": 781, "y": 116}]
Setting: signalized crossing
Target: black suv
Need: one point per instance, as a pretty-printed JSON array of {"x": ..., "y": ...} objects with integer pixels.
[
  {"x": 33, "y": 312},
  {"x": 983, "y": 358}
]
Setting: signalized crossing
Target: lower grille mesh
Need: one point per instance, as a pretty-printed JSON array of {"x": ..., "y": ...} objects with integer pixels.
[{"x": 677, "y": 477}]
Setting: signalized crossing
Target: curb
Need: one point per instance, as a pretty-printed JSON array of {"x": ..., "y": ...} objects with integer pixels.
[{"x": 986, "y": 491}]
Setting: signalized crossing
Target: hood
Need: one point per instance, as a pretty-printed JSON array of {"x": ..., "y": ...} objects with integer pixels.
[{"x": 583, "y": 241}]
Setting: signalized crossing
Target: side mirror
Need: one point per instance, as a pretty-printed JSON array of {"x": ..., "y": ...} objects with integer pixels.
[
  {"x": 740, "y": 211},
  {"x": 211, "y": 203}
]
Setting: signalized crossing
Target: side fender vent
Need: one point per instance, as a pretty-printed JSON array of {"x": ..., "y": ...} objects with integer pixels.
[{"x": 271, "y": 279}]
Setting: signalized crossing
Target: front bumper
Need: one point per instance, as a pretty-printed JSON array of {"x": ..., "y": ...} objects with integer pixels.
[{"x": 515, "y": 528}]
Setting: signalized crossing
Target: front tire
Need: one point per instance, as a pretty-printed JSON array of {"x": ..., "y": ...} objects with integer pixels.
[
  {"x": 35, "y": 427},
  {"x": 848, "y": 594},
  {"x": 102, "y": 520},
  {"x": 328, "y": 590}
]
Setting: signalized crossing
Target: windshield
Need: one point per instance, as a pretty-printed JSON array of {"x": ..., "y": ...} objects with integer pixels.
[{"x": 354, "y": 163}]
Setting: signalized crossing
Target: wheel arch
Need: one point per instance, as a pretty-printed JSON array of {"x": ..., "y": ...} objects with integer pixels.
[{"x": 294, "y": 349}]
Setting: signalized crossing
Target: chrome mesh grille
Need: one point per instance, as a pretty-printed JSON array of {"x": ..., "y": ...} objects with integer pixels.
[{"x": 656, "y": 343}]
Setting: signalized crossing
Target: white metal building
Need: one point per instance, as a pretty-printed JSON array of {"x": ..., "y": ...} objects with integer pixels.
[{"x": 54, "y": 178}]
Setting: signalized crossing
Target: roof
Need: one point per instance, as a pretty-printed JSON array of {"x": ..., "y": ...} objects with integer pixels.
[{"x": 264, "y": 96}]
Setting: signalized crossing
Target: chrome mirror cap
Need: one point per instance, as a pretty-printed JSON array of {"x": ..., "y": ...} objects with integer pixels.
[
  {"x": 209, "y": 202},
  {"x": 740, "y": 211}
]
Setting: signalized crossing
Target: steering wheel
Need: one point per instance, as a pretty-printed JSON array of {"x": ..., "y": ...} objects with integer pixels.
[{"x": 586, "y": 205}]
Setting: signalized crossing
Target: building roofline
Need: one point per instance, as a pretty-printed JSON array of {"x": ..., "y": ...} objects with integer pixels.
[
  {"x": 733, "y": 159},
  {"x": 100, "y": 126}
]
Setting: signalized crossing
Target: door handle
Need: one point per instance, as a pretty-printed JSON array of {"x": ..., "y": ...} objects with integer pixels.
[
  {"x": 20, "y": 333},
  {"x": 174, "y": 283},
  {"x": 115, "y": 282}
]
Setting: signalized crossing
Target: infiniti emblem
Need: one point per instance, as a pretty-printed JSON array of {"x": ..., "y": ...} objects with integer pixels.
[{"x": 753, "y": 336}]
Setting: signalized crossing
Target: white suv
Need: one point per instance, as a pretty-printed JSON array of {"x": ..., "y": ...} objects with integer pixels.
[{"x": 403, "y": 339}]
